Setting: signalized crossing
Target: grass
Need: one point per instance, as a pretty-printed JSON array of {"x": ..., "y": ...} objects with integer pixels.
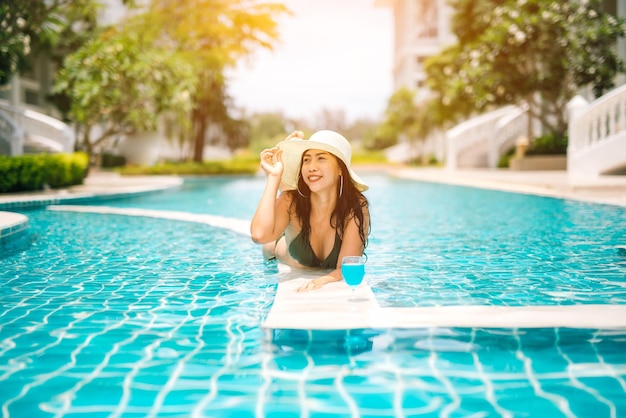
[
  {"x": 245, "y": 164},
  {"x": 237, "y": 165}
]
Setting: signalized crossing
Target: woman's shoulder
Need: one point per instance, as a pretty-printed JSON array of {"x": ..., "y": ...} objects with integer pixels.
[{"x": 287, "y": 195}]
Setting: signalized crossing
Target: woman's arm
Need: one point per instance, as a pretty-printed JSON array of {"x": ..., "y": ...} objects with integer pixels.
[{"x": 272, "y": 213}]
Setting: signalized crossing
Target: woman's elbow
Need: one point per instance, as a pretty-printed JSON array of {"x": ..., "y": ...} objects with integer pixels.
[
  {"x": 257, "y": 240},
  {"x": 258, "y": 237}
]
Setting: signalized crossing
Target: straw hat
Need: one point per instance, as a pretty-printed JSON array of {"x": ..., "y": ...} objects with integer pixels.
[{"x": 325, "y": 140}]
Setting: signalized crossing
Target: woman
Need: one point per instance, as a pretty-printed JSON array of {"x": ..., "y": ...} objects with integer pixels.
[{"x": 320, "y": 216}]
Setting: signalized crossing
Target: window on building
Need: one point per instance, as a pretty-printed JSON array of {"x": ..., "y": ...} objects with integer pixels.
[{"x": 426, "y": 18}]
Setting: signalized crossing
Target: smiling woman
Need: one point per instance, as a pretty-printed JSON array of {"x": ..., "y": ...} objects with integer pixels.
[{"x": 322, "y": 215}]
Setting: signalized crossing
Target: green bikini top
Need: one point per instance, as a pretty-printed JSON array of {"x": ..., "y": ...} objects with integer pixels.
[{"x": 302, "y": 252}]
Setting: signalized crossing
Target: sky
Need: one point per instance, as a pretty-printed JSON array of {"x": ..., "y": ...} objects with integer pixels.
[{"x": 332, "y": 54}]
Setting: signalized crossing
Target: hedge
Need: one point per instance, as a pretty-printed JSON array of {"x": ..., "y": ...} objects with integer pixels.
[{"x": 27, "y": 173}]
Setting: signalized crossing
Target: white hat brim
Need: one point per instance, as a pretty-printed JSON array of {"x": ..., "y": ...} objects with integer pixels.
[{"x": 292, "y": 151}]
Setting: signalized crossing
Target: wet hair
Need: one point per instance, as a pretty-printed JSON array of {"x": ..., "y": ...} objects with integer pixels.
[{"x": 351, "y": 203}]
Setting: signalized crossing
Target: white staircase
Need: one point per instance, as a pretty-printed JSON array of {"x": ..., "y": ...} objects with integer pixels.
[
  {"x": 480, "y": 142},
  {"x": 27, "y": 131},
  {"x": 597, "y": 135}
]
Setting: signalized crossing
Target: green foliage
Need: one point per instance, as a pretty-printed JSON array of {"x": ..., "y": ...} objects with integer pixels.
[
  {"x": 360, "y": 157},
  {"x": 242, "y": 165},
  {"x": 26, "y": 24},
  {"x": 110, "y": 160},
  {"x": 33, "y": 172},
  {"x": 534, "y": 51},
  {"x": 119, "y": 81},
  {"x": 549, "y": 144},
  {"x": 62, "y": 170},
  {"x": 266, "y": 130},
  {"x": 405, "y": 117},
  {"x": 212, "y": 35},
  {"x": 505, "y": 159},
  {"x": 384, "y": 136}
]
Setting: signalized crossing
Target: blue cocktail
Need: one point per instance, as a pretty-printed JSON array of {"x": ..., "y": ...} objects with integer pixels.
[{"x": 353, "y": 270}]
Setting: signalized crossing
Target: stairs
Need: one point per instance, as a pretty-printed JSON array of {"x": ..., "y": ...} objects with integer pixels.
[{"x": 25, "y": 131}]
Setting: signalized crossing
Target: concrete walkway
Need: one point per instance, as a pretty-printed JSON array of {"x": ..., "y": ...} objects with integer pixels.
[
  {"x": 100, "y": 184},
  {"x": 603, "y": 189}
]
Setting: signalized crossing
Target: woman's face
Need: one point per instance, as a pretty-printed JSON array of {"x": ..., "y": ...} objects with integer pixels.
[{"x": 320, "y": 170}]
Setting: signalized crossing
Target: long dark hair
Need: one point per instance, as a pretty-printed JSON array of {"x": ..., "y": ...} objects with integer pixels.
[{"x": 351, "y": 203}]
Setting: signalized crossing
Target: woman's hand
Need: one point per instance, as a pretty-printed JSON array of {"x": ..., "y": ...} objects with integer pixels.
[
  {"x": 311, "y": 285},
  {"x": 295, "y": 135},
  {"x": 272, "y": 158},
  {"x": 318, "y": 282},
  {"x": 272, "y": 162}
]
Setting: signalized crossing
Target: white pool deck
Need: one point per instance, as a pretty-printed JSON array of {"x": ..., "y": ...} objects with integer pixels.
[{"x": 329, "y": 308}]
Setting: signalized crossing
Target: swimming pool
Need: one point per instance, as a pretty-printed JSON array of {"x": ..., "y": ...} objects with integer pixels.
[{"x": 108, "y": 315}]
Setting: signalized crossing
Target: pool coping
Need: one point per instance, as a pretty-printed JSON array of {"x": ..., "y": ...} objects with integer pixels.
[
  {"x": 117, "y": 187},
  {"x": 12, "y": 228}
]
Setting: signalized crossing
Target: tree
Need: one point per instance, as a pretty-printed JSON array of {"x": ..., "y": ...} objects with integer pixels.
[
  {"x": 212, "y": 35},
  {"x": 532, "y": 51},
  {"x": 333, "y": 119},
  {"x": 266, "y": 130},
  {"x": 122, "y": 84},
  {"x": 29, "y": 23}
]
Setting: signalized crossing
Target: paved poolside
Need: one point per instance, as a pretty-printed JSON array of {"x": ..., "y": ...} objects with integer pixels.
[{"x": 602, "y": 189}]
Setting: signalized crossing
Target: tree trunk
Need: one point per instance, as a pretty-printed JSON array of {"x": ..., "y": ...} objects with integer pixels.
[
  {"x": 530, "y": 134},
  {"x": 199, "y": 130},
  {"x": 88, "y": 146}
]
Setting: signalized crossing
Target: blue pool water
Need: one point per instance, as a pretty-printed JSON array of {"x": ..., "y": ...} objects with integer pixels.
[{"x": 107, "y": 315}]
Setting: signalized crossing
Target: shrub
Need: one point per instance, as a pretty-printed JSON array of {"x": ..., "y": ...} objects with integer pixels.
[
  {"x": 112, "y": 160},
  {"x": 504, "y": 161},
  {"x": 32, "y": 172},
  {"x": 548, "y": 144},
  {"x": 239, "y": 165}
]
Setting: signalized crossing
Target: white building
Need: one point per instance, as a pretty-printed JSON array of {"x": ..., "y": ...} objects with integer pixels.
[{"x": 421, "y": 29}]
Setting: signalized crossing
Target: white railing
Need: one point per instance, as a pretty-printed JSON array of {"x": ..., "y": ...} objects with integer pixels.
[
  {"x": 597, "y": 134},
  {"x": 506, "y": 132},
  {"x": 42, "y": 128},
  {"x": 11, "y": 136},
  {"x": 596, "y": 122},
  {"x": 477, "y": 135}
]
